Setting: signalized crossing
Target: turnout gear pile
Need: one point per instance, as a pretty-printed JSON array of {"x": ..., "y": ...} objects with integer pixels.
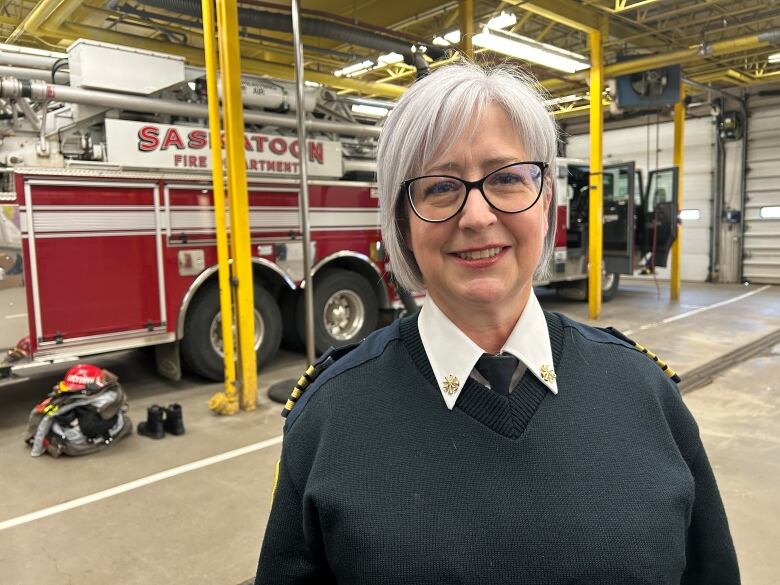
[{"x": 84, "y": 413}]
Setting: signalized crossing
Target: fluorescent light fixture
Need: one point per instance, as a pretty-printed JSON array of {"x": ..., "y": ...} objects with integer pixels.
[
  {"x": 451, "y": 38},
  {"x": 689, "y": 214},
  {"x": 503, "y": 20},
  {"x": 372, "y": 111},
  {"x": 772, "y": 212},
  {"x": 389, "y": 58},
  {"x": 774, "y": 58},
  {"x": 354, "y": 69},
  {"x": 527, "y": 49}
]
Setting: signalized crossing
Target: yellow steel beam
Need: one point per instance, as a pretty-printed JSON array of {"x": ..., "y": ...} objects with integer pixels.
[
  {"x": 227, "y": 18},
  {"x": 569, "y": 112},
  {"x": 579, "y": 17},
  {"x": 662, "y": 60},
  {"x": 565, "y": 12},
  {"x": 623, "y": 5},
  {"x": 679, "y": 137},
  {"x": 36, "y": 17},
  {"x": 466, "y": 17},
  {"x": 62, "y": 12},
  {"x": 194, "y": 55},
  {"x": 226, "y": 403},
  {"x": 596, "y": 193}
]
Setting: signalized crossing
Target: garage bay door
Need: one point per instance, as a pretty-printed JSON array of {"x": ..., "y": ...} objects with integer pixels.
[{"x": 761, "y": 259}]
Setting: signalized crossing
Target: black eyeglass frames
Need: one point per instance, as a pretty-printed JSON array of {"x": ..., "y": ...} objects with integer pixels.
[{"x": 513, "y": 188}]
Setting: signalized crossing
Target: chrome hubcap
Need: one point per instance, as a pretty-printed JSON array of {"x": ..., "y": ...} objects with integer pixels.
[
  {"x": 607, "y": 280},
  {"x": 215, "y": 333},
  {"x": 343, "y": 315}
]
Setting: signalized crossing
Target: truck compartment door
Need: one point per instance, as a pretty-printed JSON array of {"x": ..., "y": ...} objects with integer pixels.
[
  {"x": 660, "y": 229},
  {"x": 96, "y": 259},
  {"x": 619, "y": 218}
]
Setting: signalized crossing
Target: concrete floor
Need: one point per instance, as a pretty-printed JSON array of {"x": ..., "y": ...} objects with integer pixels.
[{"x": 134, "y": 515}]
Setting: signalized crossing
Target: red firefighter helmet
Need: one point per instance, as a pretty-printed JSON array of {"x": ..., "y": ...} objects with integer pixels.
[
  {"x": 82, "y": 376},
  {"x": 22, "y": 349}
]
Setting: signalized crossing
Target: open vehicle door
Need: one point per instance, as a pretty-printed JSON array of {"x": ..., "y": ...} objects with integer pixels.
[
  {"x": 618, "y": 232},
  {"x": 660, "y": 209}
]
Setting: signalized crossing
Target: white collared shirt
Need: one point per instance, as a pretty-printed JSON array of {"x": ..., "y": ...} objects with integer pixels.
[{"x": 453, "y": 355}]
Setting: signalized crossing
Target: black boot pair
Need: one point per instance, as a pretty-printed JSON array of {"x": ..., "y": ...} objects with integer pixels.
[{"x": 155, "y": 427}]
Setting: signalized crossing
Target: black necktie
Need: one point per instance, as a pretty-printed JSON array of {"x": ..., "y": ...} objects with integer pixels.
[{"x": 498, "y": 370}]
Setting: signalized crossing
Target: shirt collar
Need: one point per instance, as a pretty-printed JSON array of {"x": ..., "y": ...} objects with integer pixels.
[{"x": 453, "y": 355}]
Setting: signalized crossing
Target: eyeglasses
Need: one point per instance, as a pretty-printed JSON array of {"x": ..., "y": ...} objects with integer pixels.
[{"x": 513, "y": 188}]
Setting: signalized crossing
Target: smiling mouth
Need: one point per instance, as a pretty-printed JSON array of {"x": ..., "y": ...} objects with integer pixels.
[{"x": 479, "y": 254}]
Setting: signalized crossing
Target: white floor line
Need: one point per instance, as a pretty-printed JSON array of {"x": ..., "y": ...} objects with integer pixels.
[
  {"x": 135, "y": 484},
  {"x": 16, "y": 316},
  {"x": 697, "y": 311}
]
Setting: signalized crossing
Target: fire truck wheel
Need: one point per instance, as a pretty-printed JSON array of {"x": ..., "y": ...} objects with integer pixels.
[
  {"x": 202, "y": 344},
  {"x": 578, "y": 290},
  {"x": 609, "y": 285},
  {"x": 291, "y": 339},
  {"x": 345, "y": 310}
]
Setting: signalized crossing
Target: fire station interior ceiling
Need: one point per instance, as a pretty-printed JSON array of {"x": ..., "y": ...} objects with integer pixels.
[{"x": 725, "y": 44}]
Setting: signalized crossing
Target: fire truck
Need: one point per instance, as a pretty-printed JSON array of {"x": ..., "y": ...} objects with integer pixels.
[{"x": 107, "y": 231}]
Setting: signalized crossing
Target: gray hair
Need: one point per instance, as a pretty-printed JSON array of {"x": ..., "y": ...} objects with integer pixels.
[{"x": 435, "y": 109}]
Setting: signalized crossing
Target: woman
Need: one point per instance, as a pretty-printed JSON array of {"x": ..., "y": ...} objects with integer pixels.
[{"x": 421, "y": 456}]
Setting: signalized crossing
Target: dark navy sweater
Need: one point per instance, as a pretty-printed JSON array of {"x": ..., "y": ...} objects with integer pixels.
[{"x": 605, "y": 483}]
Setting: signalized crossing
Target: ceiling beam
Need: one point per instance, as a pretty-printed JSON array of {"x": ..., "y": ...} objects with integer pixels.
[
  {"x": 575, "y": 15},
  {"x": 692, "y": 53}
]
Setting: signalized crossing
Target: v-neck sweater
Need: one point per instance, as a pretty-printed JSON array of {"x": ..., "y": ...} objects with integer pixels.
[{"x": 605, "y": 483}]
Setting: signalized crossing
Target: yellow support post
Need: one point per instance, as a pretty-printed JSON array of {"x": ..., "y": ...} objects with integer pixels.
[
  {"x": 230, "y": 58},
  {"x": 679, "y": 136},
  {"x": 222, "y": 402},
  {"x": 596, "y": 193},
  {"x": 466, "y": 18}
]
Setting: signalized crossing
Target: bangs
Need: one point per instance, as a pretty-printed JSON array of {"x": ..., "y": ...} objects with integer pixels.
[{"x": 456, "y": 119}]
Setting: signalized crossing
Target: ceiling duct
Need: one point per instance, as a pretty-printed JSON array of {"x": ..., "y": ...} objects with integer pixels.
[{"x": 316, "y": 27}]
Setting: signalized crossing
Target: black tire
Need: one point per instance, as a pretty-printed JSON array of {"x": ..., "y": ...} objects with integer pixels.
[
  {"x": 578, "y": 290},
  {"x": 291, "y": 338},
  {"x": 611, "y": 279},
  {"x": 355, "y": 294},
  {"x": 197, "y": 348}
]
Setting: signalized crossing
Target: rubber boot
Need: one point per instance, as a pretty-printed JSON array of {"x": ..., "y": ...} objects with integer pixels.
[
  {"x": 174, "y": 422},
  {"x": 152, "y": 427}
]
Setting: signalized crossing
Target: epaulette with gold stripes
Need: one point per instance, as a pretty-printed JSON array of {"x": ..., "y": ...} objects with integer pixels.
[
  {"x": 312, "y": 373},
  {"x": 662, "y": 364}
]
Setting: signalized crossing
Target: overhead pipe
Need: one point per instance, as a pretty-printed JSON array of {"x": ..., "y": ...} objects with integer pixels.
[
  {"x": 33, "y": 73},
  {"x": 322, "y": 28},
  {"x": 128, "y": 9},
  {"x": 41, "y": 91},
  {"x": 303, "y": 190},
  {"x": 24, "y": 57}
]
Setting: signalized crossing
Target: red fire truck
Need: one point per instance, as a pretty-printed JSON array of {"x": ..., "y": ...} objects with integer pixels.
[{"x": 107, "y": 236}]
